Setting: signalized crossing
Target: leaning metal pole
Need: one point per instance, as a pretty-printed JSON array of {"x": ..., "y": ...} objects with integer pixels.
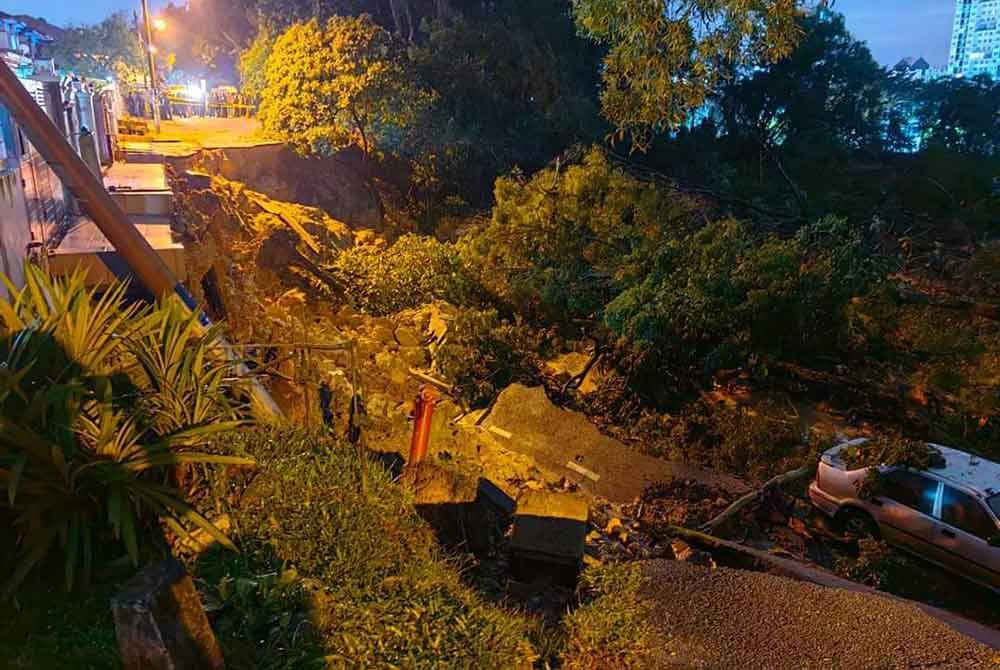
[{"x": 88, "y": 190}]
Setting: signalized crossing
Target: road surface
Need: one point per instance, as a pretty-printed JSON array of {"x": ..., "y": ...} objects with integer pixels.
[{"x": 726, "y": 619}]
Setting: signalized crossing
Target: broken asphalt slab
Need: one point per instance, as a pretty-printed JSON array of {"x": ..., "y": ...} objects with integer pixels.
[{"x": 524, "y": 420}]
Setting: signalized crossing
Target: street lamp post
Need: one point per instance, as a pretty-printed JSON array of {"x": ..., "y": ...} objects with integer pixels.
[{"x": 151, "y": 60}]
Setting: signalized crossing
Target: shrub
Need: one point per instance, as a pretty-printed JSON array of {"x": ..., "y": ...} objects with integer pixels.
[
  {"x": 753, "y": 443},
  {"x": 484, "y": 354},
  {"x": 413, "y": 271},
  {"x": 339, "y": 83},
  {"x": 718, "y": 296},
  {"x": 348, "y": 565},
  {"x": 86, "y": 448},
  {"x": 563, "y": 243},
  {"x": 594, "y": 246}
]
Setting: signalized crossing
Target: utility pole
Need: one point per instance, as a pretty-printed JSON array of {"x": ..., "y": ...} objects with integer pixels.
[{"x": 151, "y": 60}]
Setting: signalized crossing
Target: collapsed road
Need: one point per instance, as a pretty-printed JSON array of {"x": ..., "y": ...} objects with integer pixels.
[{"x": 525, "y": 420}]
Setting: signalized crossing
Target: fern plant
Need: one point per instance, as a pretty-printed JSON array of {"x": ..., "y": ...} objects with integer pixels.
[{"x": 99, "y": 401}]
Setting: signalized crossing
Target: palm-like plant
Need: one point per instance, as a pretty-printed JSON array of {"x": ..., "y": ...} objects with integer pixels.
[
  {"x": 91, "y": 422},
  {"x": 182, "y": 381}
]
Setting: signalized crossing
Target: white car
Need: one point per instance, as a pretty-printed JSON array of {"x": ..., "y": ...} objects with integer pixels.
[{"x": 948, "y": 515}]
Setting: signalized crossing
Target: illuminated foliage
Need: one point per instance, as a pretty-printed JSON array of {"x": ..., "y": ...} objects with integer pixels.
[
  {"x": 253, "y": 65},
  {"x": 563, "y": 243},
  {"x": 99, "y": 401},
  {"x": 666, "y": 57},
  {"x": 635, "y": 262},
  {"x": 339, "y": 84},
  {"x": 413, "y": 271}
]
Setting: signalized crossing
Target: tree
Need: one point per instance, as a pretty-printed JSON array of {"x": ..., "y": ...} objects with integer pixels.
[
  {"x": 253, "y": 64},
  {"x": 961, "y": 114},
  {"x": 563, "y": 243},
  {"x": 516, "y": 85},
  {"x": 829, "y": 91},
  {"x": 110, "y": 48},
  {"x": 828, "y": 98},
  {"x": 666, "y": 57},
  {"x": 339, "y": 84}
]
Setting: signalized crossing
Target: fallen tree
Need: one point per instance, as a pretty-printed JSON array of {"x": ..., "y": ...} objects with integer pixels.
[{"x": 745, "y": 501}]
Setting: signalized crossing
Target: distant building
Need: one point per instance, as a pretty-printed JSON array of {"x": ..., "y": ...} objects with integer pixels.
[
  {"x": 975, "y": 39},
  {"x": 919, "y": 69},
  {"x": 21, "y": 47}
]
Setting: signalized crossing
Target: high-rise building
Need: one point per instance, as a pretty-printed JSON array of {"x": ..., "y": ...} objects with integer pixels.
[{"x": 975, "y": 39}]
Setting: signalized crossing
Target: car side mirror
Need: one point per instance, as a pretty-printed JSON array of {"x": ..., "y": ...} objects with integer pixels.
[{"x": 994, "y": 541}]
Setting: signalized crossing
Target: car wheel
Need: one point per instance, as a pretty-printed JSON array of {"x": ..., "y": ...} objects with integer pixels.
[{"x": 856, "y": 524}]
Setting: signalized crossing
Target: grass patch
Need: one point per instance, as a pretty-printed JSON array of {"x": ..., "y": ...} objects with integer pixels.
[
  {"x": 338, "y": 571},
  {"x": 51, "y": 630},
  {"x": 611, "y": 628}
]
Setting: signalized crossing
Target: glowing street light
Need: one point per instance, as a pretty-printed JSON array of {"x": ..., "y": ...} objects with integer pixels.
[{"x": 160, "y": 24}]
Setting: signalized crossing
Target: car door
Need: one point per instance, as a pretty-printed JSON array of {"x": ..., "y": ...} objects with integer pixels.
[
  {"x": 904, "y": 510},
  {"x": 962, "y": 536}
]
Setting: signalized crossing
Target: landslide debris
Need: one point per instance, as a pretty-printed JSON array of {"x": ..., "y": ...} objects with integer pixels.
[{"x": 255, "y": 245}]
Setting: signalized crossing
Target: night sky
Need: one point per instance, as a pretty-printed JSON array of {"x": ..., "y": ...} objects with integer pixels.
[{"x": 892, "y": 28}]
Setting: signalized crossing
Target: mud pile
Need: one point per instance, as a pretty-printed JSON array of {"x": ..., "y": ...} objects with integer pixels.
[{"x": 334, "y": 184}]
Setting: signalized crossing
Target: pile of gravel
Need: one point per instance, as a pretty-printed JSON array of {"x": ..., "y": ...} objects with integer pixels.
[{"x": 721, "y": 619}]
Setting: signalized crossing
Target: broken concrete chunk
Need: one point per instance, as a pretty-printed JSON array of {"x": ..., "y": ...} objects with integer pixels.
[
  {"x": 160, "y": 623},
  {"x": 407, "y": 337},
  {"x": 434, "y": 484},
  {"x": 550, "y": 526}
]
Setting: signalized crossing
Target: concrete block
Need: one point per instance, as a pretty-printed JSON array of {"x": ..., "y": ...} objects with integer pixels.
[{"x": 550, "y": 527}]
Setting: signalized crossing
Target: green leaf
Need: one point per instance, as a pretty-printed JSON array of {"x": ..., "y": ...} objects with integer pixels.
[
  {"x": 14, "y": 478},
  {"x": 185, "y": 512},
  {"x": 35, "y": 549},
  {"x": 128, "y": 531}
]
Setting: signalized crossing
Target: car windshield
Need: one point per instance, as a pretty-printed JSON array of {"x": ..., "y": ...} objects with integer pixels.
[{"x": 994, "y": 503}]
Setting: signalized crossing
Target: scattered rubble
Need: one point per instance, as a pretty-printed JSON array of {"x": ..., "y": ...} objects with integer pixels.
[{"x": 575, "y": 366}]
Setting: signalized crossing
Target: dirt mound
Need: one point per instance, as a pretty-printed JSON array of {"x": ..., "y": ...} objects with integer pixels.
[
  {"x": 682, "y": 502},
  {"x": 334, "y": 184},
  {"x": 729, "y": 619},
  {"x": 252, "y": 242}
]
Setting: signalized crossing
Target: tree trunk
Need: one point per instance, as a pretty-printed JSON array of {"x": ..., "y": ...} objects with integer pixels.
[{"x": 741, "y": 503}]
